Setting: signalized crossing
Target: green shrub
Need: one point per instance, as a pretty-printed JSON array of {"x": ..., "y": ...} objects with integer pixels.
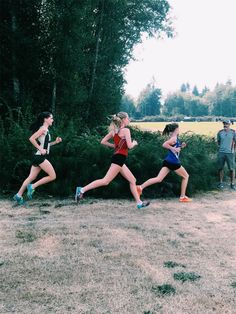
[
  {"x": 25, "y": 236},
  {"x": 182, "y": 276},
  {"x": 80, "y": 158},
  {"x": 164, "y": 290},
  {"x": 170, "y": 264}
]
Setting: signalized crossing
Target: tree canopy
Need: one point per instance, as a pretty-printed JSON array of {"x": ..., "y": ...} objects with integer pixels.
[{"x": 68, "y": 56}]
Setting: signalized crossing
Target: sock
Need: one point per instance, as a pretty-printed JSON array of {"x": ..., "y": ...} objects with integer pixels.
[{"x": 82, "y": 190}]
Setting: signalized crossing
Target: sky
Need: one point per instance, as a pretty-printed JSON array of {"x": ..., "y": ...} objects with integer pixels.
[{"x": 202, "y": 53}]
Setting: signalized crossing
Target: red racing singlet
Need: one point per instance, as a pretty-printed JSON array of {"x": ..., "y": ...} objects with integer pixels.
[{"x": 120, "y": 145}]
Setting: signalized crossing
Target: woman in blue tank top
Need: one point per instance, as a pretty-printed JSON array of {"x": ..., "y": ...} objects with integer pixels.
[{"x": 171, "y": 162}]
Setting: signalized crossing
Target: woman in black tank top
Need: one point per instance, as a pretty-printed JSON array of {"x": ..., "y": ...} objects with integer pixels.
[{"x": 41, "y": 140}]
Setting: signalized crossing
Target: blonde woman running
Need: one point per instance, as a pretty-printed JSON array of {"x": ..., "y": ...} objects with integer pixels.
[
  {"x": 41, "y": 140},
  {"x": 171, "y": 162},
  {"x": 121, "y": 144}
]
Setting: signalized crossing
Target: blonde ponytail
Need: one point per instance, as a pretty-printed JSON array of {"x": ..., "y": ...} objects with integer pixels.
[{"x": 116, "y": 121}]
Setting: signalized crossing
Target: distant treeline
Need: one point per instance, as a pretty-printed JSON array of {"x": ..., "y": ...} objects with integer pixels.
[{"x": 220, "y": 102}]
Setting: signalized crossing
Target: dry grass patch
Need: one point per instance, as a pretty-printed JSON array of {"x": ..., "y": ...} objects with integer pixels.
[
  {"x": 105, "y": 256},
  {"x": 203, "y": 128}
]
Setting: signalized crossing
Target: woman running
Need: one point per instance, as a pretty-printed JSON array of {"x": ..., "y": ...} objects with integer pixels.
[
  {"x": 122, "y": 142},
  {"x": 171, "y": 162},
  {"x": 41, "y": 140}
]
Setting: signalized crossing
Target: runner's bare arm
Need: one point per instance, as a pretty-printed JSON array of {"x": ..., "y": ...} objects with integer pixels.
[
  {"x": 130, "y": 143},
  {"x": 34, "y": 137},
  {"x": 57, "y": 141},
  {"x": 105, "y": 140},
  {"x": 168, "y": 144}
]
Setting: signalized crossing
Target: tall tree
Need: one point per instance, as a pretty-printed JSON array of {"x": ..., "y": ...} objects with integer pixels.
[
  {"x": 195, "y": 91},
  {"x": 19, "y": 45},
  {"x": 187, "y": 87},
  {"x": 204, "y": 91},
  {"x": 174, "y": 104},
  {"x": 149, "y": 101},
  {"x": 70, "y": 55},
  {"x": 183, "y": 88},
  {"x": 127, "y": 105}
]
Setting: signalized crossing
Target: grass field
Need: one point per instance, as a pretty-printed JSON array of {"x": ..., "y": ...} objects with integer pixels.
[
  {"x": 205, "y": 128},
  {"x": 107, "y": 257}
]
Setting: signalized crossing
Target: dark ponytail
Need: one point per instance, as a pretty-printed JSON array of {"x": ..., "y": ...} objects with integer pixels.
[
  {"x": 39, "y": 121},
  {"x": 169, "y": 128}
]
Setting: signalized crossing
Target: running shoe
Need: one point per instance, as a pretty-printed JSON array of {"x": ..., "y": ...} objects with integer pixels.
[
  {"x": 78, "y": 194},
  {"x": 232, "y": 186},
  {"x": 185, "y": 199},
  {"x": 30, "y": 191},
  {"x": 220, "y": 186},
  {"x": 18, "y": 199},
  {"x": 144, "y": 204},
  {"x": 139, "y": 189}
]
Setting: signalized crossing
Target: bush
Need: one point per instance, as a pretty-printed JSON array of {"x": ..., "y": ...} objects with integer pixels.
[{"x": 80, "y": 158}]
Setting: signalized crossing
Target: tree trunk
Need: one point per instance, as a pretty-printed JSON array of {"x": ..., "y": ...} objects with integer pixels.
[
  {"x": 97, "y": 49},
  {"x": 15, "y": 80},
  {"x": 99, "y": 33},
  {"x": 54, "y": 96}
]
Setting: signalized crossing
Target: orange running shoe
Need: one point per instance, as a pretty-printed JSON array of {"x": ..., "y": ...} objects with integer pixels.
[
  {"x": 139, "y": 189},
  {"x": 185, "y": 199}
]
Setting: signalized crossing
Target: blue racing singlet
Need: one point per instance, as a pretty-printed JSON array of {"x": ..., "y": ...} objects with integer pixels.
[{"x": 171, "y": 157}]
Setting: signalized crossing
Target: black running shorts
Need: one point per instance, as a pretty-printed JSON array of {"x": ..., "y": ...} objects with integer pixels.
[
  {"x": 38, "y": 159},
  {"x": 170, "y": 165},
  {"x": 118, "y": 159}
]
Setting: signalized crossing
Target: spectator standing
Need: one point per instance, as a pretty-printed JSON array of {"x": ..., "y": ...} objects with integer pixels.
[{"x": 226, "y": 138}]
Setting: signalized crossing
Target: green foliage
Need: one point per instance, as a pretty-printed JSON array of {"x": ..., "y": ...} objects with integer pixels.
[
  {"x": 25, "y": 236},
  {"x": 233, "y": 284},
  {"x": 14, "y": 148},
  {"x": 183, "y": 276},
  {"x": 195, "y": 91},
  {"x": 69, "y": 56},
  {"x": 80, "y": 159},
  {"x": 182, "y": 103},
  {"x": 222, "y": 100},
  {"x": 149, "y": 103},
  {"x": 218, "y": 102},
  {"x": 127, "y": 105},
  {"x": 165, "y": 289},
  {"x": 170, "y": 264}
]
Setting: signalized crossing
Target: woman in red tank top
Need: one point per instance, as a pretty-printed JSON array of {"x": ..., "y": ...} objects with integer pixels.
[{"x": 121, "y": 144}]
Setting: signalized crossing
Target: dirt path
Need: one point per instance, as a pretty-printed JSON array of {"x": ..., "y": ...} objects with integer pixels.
[{"x": 105, "y": 256}]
